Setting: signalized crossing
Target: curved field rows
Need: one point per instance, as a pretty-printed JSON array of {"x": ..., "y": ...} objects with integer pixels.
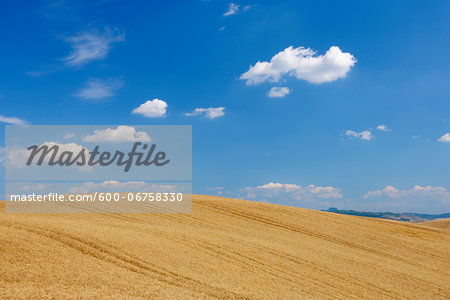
[{"x": 226, "y": 248}]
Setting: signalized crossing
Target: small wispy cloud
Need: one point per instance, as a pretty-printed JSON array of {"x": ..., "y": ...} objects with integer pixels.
[
  {"x": 58, "y": 10},
  {"x": 91, "y": 45},
  {"x": 44, "y": 70},
  {"x": 13, "y": 120},
  {"x": 278, "y": 92},
  {"x": 233, "y": 9},
  {"x": 69, "y": 136},
  {"x": 210, "y": 113},
  {"x": 218, "y": 190},
  {"x": 98, "y": 89},
  {"x": 86, "y": 46},
  {"x": 215, "y": 188},
  {"x": 383, "y": 128},
  {"x": 365, "y": 135}
]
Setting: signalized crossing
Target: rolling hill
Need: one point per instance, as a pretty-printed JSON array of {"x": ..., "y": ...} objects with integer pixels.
[{"x": 226, "y": 248}]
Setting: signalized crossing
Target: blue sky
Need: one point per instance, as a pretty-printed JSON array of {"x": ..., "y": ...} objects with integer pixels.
[{"x": 299, "y": 129}]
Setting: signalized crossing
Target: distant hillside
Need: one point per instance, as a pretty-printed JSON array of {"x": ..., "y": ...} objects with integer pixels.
[{"x": 407, "y": 217}]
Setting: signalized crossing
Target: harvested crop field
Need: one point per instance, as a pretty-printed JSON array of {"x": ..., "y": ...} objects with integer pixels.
[
  {"x": 440, "y": 224},
  {"x": 226, "y": 248}
]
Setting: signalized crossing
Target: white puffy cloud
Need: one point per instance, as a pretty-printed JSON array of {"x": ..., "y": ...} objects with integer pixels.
[
  {"x": 97, "y": 89},
  {"x": 12, "y": 120},
  {"x": 309, "y": 196},
  {"x": 445, "y": 138},
  {"x": 302, "y": 63},
  {"x": 417, "y": 199},
  {"x": 383, "y": 128},
  {"x": 117, "y": 135},
  {"x": 155, "y": 108},
  {"x": 417, "y": 191},
  {"x": 90, "y": 46},
  {"x": 278, "y": 92},
  {"x": 210, "y": 113},
  {"x": 363, "y": 135},
  {"x": 233, "y": 9}
]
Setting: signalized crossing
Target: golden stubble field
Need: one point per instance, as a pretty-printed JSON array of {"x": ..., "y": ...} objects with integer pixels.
[{"x": 226, "y": 248}]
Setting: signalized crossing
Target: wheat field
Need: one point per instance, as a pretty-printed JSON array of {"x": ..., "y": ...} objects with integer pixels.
[
  {"x": 225, "y": 249},
  {"x": 441, "y": 224}
]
